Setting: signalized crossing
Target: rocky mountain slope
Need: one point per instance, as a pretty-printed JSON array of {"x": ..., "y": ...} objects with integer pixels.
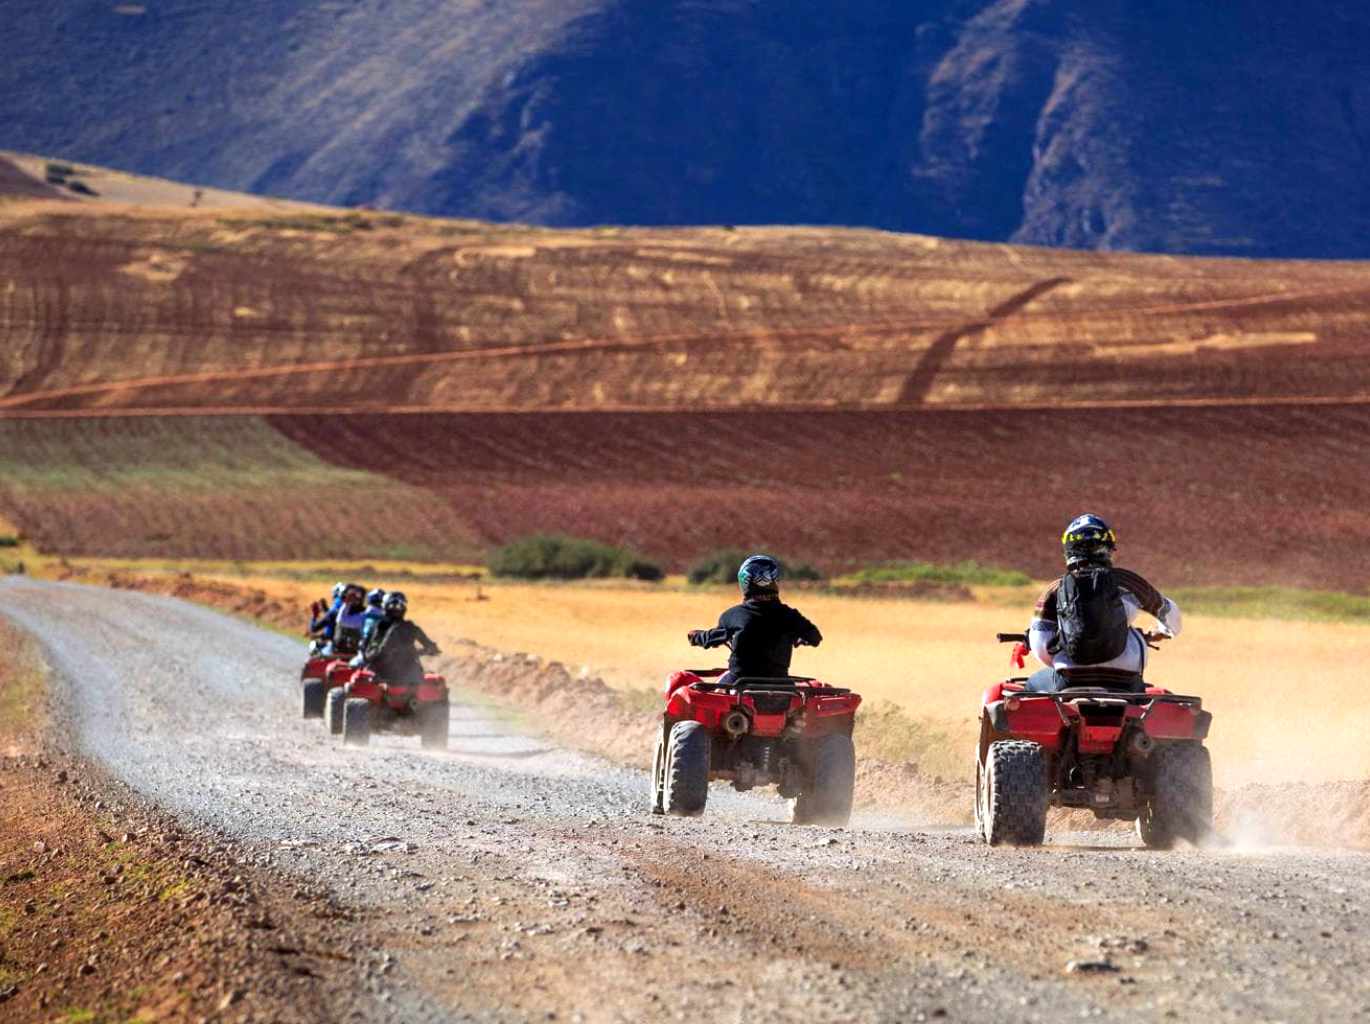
[{"x": 1241, "y": 128}]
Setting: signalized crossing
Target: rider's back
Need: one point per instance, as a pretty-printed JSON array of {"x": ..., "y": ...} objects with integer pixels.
[{"x": 763, "y": 634}]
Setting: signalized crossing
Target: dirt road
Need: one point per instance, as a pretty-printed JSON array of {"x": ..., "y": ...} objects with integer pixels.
[{"x": 511, "y": 881}]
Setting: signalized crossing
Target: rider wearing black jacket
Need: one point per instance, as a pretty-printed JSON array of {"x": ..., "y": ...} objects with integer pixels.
[
  {"x": 394, "y": 657},
  {"x": 761, "y": 631}
]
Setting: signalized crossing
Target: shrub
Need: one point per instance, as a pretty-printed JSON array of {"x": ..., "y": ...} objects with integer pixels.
[
  {"x": 721, "y": 567},
  {"x": 9, "y": 540},
  {"x": 964, "y": 573},
  {"x": 556, "y": 557}
]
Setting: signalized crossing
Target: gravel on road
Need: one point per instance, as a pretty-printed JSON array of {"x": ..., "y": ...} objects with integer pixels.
[{"x": 509, "y": 880}]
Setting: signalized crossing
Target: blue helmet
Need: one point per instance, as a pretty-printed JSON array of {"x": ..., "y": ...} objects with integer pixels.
[
  {"x": 759, "y": 574},
  {"x": 1089, "y": 540},
  {"x": 338, "y": 589},
  {"x": 375, "y": 598}
]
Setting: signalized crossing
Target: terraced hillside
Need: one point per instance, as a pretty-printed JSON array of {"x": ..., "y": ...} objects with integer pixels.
[
  {"x": 847, "y": 397},
  {"x": 208, "y": 488},
  {"x": 116, "y": 310}
]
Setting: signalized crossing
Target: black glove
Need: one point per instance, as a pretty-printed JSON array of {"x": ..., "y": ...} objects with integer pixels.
[{"x": 697, "y": 637}]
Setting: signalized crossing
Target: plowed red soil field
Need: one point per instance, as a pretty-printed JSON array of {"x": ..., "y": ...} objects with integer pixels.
[{"x": 1225, "y": 495}]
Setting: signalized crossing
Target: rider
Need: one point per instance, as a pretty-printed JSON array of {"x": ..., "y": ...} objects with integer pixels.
[
  {"x": 322, "y": 620},
  {"x": 1082, "y": 626},
  {"x": 392, "y": 654},
  {"x": 761, "y": 631},
  {"x": 351, "y": 617},
  {"x": 375, "y": 612}
]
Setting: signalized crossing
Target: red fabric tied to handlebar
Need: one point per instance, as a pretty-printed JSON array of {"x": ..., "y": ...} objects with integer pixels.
[{"x": 1018, "y": 658}]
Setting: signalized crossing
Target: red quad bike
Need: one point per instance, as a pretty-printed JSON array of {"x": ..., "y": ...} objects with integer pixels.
[
  {"x": 362, "y": 703},
  {"x": 793, "y": 732},
  {"x": 1126, "y": 756},
  {"x": 313, "y": 681}
]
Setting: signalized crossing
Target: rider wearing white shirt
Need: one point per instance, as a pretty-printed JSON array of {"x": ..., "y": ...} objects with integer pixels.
[{"x": 1089, "y": 544}]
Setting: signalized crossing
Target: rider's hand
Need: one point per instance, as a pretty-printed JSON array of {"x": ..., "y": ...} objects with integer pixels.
[
  {"x": 696, "y": 637},
  {"x": 432, "y": 651}
]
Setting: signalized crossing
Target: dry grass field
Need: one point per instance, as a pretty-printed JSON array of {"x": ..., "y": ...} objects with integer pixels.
[{"x": 1285, "y": 695}]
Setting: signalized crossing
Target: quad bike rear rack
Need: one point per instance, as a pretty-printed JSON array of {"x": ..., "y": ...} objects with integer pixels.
[
  {"x": 770, "y": 684},
  {"x": 1103, "y": 695}
]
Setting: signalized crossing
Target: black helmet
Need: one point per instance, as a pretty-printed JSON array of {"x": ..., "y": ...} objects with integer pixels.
[
  {"x": 396, "y": 604},
  {"x": 1088, "y": 540},
  {"x": 759, "y": 574},
  {"x": 354, "y": 589}
]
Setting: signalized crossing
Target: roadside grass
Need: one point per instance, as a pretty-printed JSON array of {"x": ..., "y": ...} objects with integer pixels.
[
  {"x": 968, "y": 573},
  {"x": 1284, "y": 603},
  {"x": 22, "y": 683},
  {"x": 102, "y": 897}
]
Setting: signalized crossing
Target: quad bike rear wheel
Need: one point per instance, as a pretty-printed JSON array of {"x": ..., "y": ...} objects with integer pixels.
[
  {"x": 1180, "y": 806},
  {"x": 687, "y": 769},
  {"x": 659, "y": 774},
  {"x": 828, "y": 797},
  {"x": 333, "y": 710},
  {"x": 312, "y": 701},
  {"x": 433, "y": 720},
  {"x": 1013, "y": 794},
  {"x": 356, "y": 726}
]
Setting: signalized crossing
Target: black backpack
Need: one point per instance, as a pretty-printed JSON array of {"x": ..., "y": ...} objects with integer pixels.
[{"x": 1091, "y": 621}]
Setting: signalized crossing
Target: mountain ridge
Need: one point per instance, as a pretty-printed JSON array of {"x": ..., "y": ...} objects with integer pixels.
[{"x": 1243, "y": 130}]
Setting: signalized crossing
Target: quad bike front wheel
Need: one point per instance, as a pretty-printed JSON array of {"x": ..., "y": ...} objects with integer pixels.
[
  {"x": 1012, "y": 787},
  {"x": 433, "y": 721},
  {"x": 687, "y": 769},
  {"x": 312, "y": 698},
  {"x": 333, "y": 710},
  {"x": 356, "y": 725},
  {"x": 827, "y": 799},
  {"x": 1180, "y": 806}
]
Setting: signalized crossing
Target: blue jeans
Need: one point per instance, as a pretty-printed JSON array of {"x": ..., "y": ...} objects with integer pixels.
[{"x": 1046, "y": 680}]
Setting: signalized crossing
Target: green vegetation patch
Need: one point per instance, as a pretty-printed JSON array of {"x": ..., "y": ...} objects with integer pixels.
[
  {"x": 721, "y": 567},
  {"x": 967, "y": 573},
  {"x": 558, "y": 557},
  {"x": 1274, "y": 603}
]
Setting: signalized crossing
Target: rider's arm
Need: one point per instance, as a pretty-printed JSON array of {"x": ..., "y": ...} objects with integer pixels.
[
  {"x": 1042, "y": 631},
  {"x": 1040, "y": 635},
  {"x": 1151, "y": 600},
  {"x": 806, "y": 630},
  {"x": 706, "y": 638},
  {"x": 1170, "y": 617},
  {"x": 422, "y": 637}
]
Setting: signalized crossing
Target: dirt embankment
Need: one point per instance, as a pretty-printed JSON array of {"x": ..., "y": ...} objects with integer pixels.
[
  {"x": 584, "y": 713},
  {"x": 111, "y": 911},
  {"x": 348, "y": 310}
]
